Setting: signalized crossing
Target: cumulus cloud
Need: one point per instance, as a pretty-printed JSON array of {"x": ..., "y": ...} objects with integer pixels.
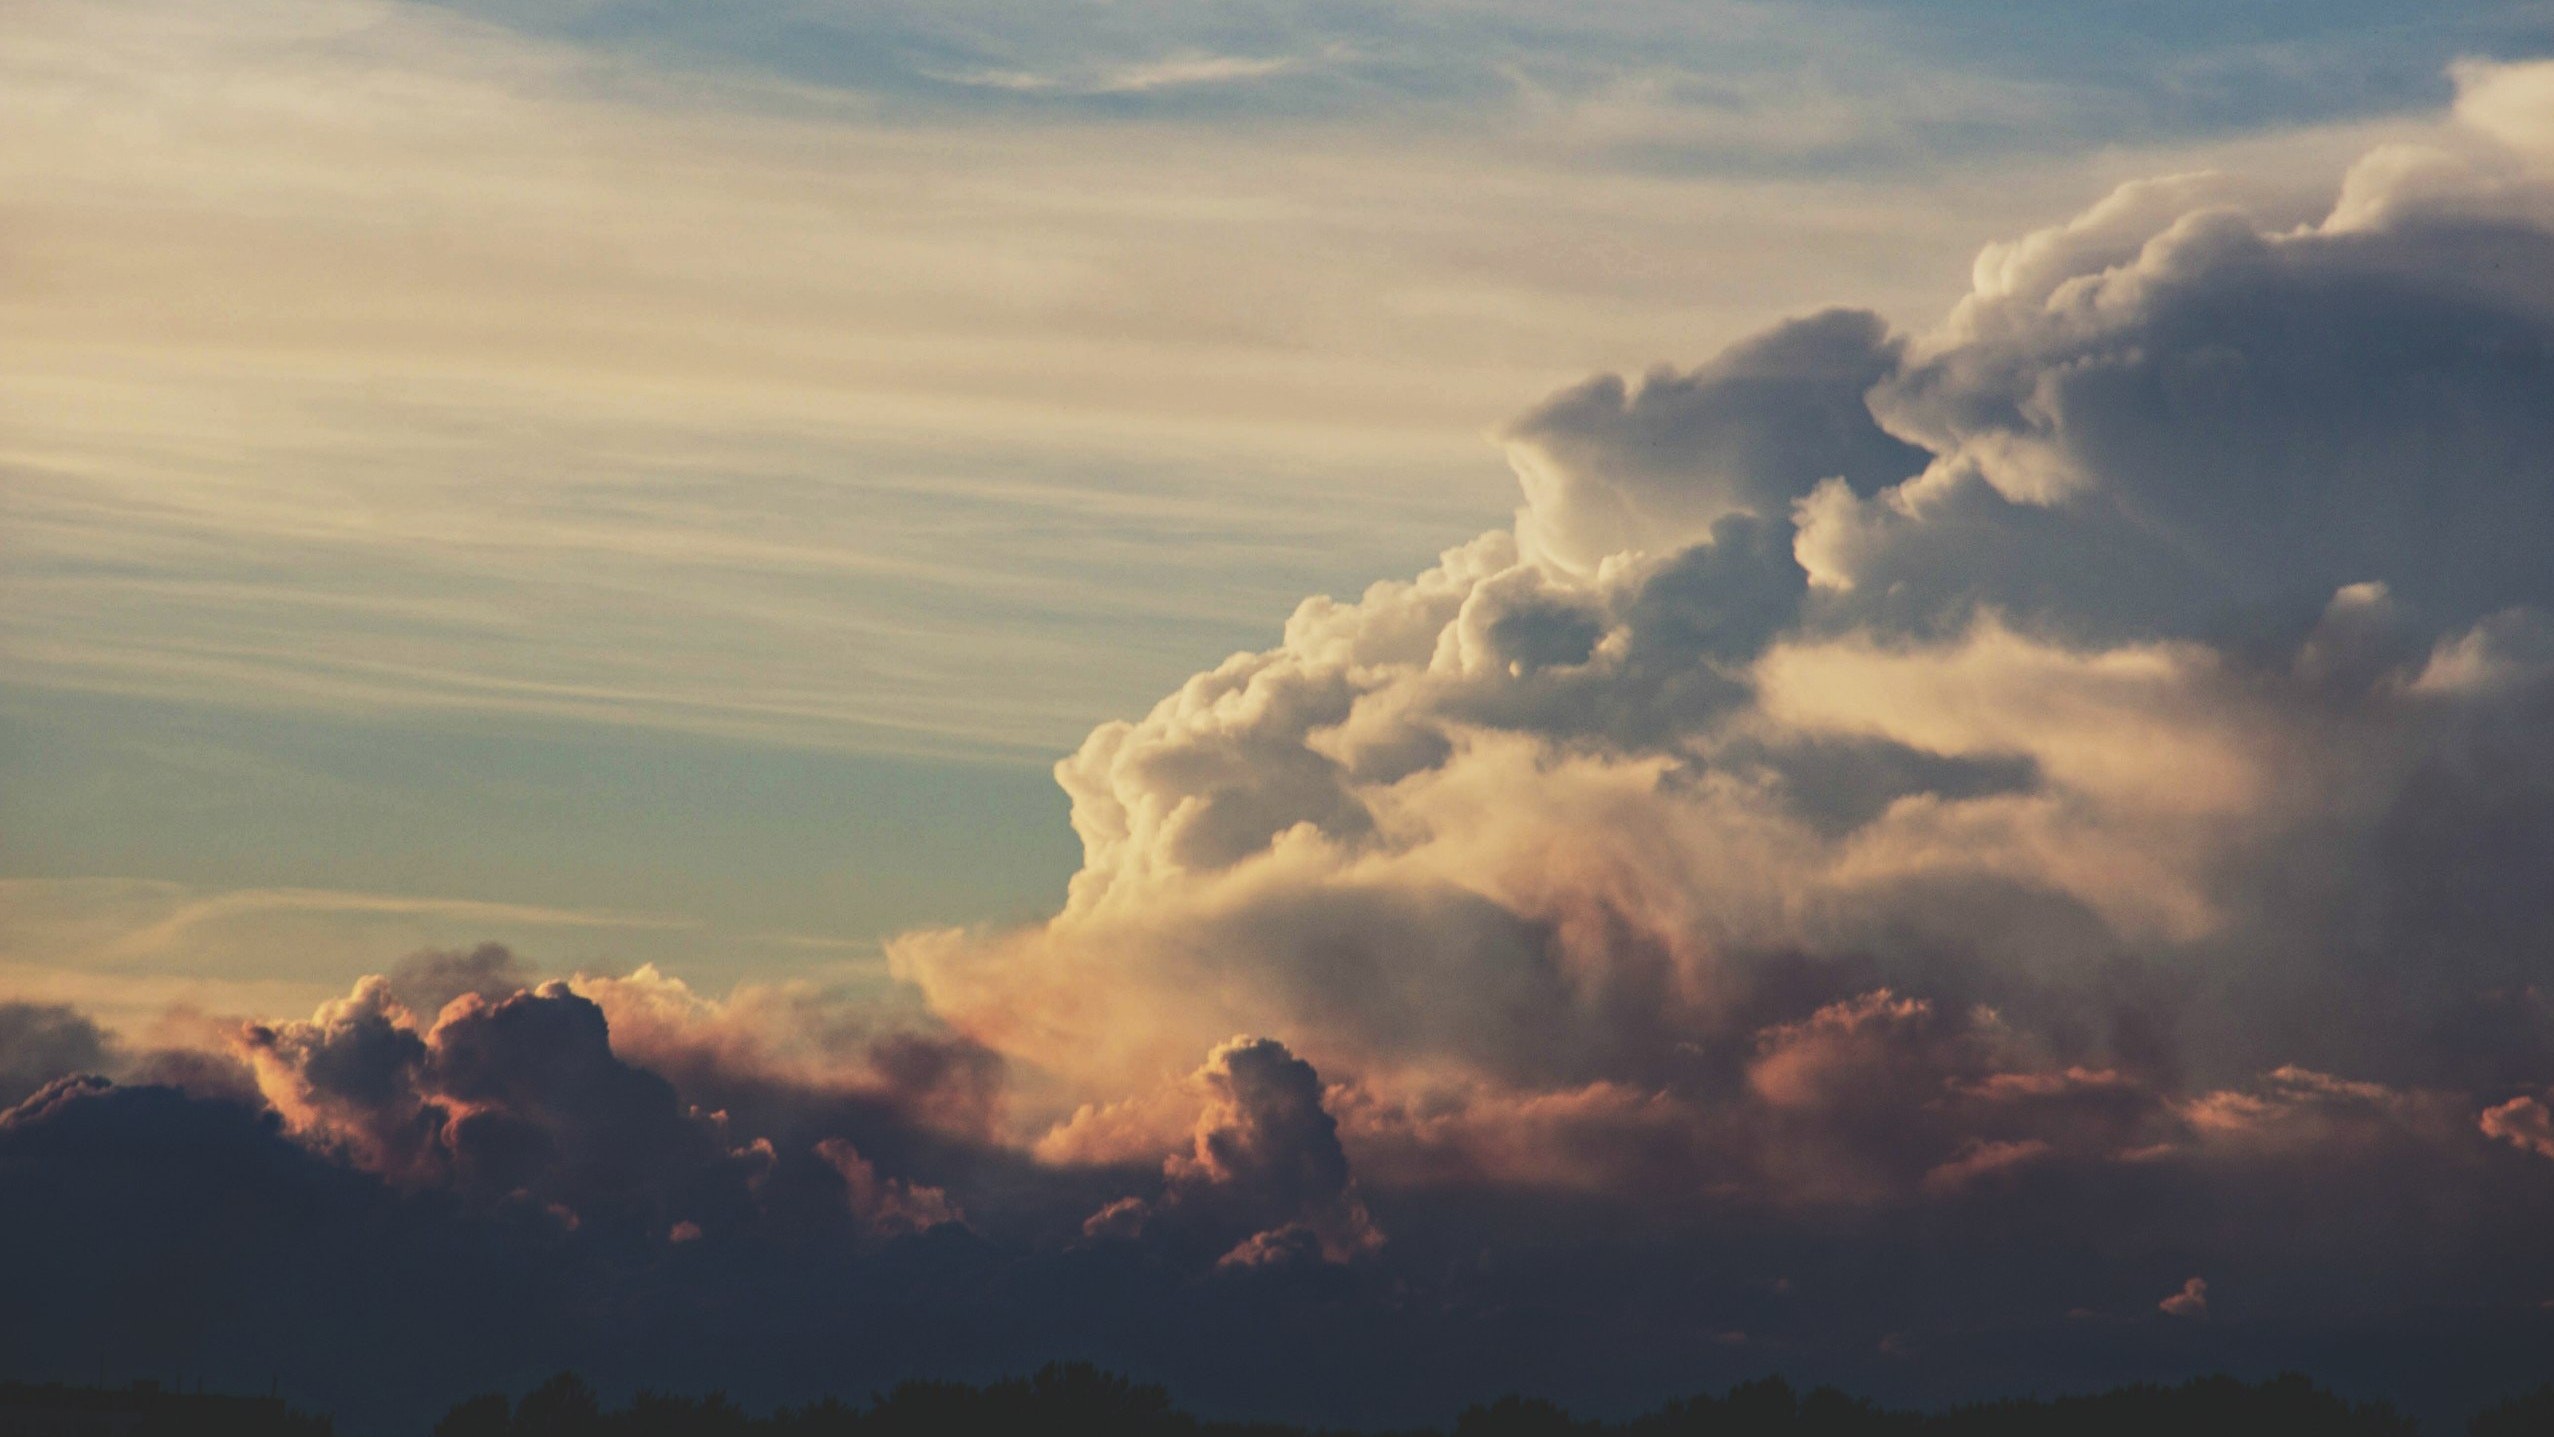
[
  {"x": 521, "y": 1096},
  {"x": 628, "y": 1102},
  {"x": 1610, "y": 468},
  {"x": 764, "y": 1041},
  {"x": 2114, "y": 717},
  {"x": 2191, "y": 1301},
  {"x": 1263, "y": 1176}
]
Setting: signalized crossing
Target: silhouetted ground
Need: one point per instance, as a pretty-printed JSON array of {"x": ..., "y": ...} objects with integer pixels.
[{"x": 144, "y": 1409}]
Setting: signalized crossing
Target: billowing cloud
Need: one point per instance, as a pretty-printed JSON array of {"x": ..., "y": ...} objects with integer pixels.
[
  {"x": 520, "y": 1097},
  {"x": 2154, "y": 658},
  {"x": 2074, "y": 770},
  {"x": 630, "y": 1102},
  {"x": 1609, "y": 468},
  {"x": 762, "y": 1039},
  {"x": 1264, "y": 1177}
]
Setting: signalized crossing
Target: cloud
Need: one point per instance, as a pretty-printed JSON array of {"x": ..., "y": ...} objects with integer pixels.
[
  {"x": 1265, "y": 1145},
  {"x": 886, "y": 1205},
  {"x": 1098, "y": 333},
  {"x": 126, "y": 951},
  {"x": 1611, "y": 469},
  {"x": 1875, "y": 766},
  {"x": 2191, "y": 1301},
  {"x": 391, "y": 1177},
  {"x": 2084, "y": 412},
  {"x": 351, "y": 1075},
  {"x": 186, "y": 1230},
  {"x": 429, "y": 980},
  {"x": 2523, "y": 1123},
  {"x": 772, "y": 1047},
  {"x": 521, "y": 1095},
  {"x": 1264, "y": 1177},
  {"x": 40, "y": 1042},
  {"x": 1173, "y": 72},
  {"x": 628, "y": 1104}
]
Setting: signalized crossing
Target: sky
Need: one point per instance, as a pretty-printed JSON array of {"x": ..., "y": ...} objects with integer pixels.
[{"x": 1280, "y": 686}]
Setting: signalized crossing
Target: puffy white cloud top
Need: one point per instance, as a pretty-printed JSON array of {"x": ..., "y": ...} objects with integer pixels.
[{"x": 2138, "y": 683}]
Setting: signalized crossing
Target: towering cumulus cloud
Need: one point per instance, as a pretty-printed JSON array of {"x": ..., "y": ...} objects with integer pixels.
[
  {"x": 1265, "y": 1163},
  {"x": 1873, "y": 763},
  {"x": 1911, "y": 847}
]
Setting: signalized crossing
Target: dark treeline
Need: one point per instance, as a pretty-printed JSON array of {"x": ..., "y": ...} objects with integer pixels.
[
  {"x": 145, "y": 1409},
  {"x": 1077, "y": 1400}
]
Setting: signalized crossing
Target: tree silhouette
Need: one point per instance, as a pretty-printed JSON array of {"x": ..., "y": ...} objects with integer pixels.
[
  {"x": 486, "y": 1415},
  {"x": 563, "y": 1406},
  {"x": 2530, "y": 1414}
]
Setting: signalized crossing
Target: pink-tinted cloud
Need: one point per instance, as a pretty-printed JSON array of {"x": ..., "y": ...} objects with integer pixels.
[
  {"x": 2522, "y": 1123},
  {"x": 1263, "y": 1161},
  {"x": 886, "y": 1205}
]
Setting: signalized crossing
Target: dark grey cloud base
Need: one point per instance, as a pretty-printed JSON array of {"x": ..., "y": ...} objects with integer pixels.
[{"x": 158, "y": 1232}]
